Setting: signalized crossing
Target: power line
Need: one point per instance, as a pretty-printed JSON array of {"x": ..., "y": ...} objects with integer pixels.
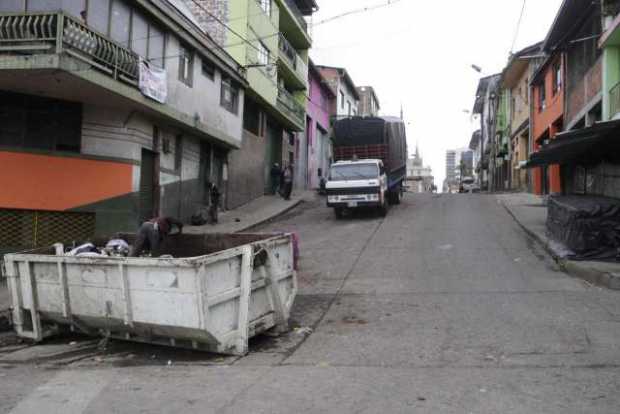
[
  {"x": 356, "y": 11},
  {"x": 218, "y": 20},
  {"x": 514, "y": 39}
]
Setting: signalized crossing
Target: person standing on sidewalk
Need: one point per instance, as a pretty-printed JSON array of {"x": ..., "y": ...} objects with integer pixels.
[
  {"x": 215, "y": 204},
  {"x": 276, "y": 173},
  {"x": 287, "y": 178}
]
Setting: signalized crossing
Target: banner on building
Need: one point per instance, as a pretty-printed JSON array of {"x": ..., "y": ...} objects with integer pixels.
[{"x": 153, "y": 82}]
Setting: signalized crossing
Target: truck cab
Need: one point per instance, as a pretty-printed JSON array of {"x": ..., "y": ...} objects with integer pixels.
[{"x": 356, "y": 184}]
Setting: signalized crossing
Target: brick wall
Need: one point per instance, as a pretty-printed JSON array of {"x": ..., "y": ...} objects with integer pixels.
[{"x": 218, "y": 8}]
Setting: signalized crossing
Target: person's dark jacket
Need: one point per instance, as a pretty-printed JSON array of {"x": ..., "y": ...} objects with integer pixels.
[{"x": 165, "y": 224}]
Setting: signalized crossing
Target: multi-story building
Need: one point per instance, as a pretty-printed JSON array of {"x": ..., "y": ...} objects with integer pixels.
[
  {"x": 270, "y": 39},
  {"x": 369, "y": 103},
  {"x": 587, "y": 149},
  {"x": 547, "y": 92},
  {"x": 515, "y": 82},
  {"x": 451, "y": 164},
  {"x": 318, "y": 127},
  {"x": 459, "y": 164},
  {"x": 485, "y": 106},
  {"x": 120, "y": 109},
  {"x": 347, "y": 98}
]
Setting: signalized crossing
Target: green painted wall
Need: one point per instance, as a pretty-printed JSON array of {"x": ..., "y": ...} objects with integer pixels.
[
  {"x": 503, "y": 112},
  {"x": 611, "y": 76},
  {"x": 248, "y": 19}
]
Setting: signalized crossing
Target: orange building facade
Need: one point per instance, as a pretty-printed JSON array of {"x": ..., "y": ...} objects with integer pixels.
[{"x": 547, "y": 119}]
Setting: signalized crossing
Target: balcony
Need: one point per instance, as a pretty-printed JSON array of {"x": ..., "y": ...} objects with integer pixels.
[
  {"x": 297, "y": 14},
  {"x": 57, "y": 33},
  {"x": 293, "y": 69},
  {"x": 291, "y": 108},
  {"x": 293, "y": 24},
  {"x": 614, "y": 101}
]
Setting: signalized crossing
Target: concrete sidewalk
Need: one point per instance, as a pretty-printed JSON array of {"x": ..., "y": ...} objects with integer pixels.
[
  {"x": 530, "y": 212},
  {"x": 252, "y": 214}
]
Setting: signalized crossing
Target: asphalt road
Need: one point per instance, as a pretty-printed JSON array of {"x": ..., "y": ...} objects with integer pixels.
[{"x": 445, "y": 306}]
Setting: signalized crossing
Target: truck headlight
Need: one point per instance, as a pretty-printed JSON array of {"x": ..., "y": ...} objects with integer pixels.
[
  {"x": 332, "y": 199},
  {"x": 373, "y": 197}
]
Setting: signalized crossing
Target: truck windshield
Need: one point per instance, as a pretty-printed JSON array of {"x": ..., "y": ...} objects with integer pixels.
[{"x": 354, "y": 172}]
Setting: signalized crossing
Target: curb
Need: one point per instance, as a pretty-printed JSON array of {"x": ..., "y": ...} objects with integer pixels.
[
  {"x": 571, "y": 267},
  {"x": 274, "y": 216}
]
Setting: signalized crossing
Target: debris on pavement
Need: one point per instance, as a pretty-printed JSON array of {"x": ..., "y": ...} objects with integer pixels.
[{"x": 303, "y": 331}]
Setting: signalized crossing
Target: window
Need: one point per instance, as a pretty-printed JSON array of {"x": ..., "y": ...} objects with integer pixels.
[
  {"x": 139, "y": 34},
  {"x": 263, "y": 54},
  {"x": 120, "y": 22},
  {"x": 349, "y": 108},
  {"x": 542, "y": 97},
  {"x": 99, "y": 15},
  {"x": 251, "y": 117},
  {"x": 229, "y": 96},
  {"x": 156, "y": 46},
  {"x": 12, "y": 6},
  {"x": 186, "y": 66},
  {"x": 342, "y": 99},
  {"x": 73, "y": 7},
  {"x": 266, "y": 6},
  {"x": 28, "y": 121},
  {"x": 557, "y": 77},
  {"x": 208, "y": 69}
]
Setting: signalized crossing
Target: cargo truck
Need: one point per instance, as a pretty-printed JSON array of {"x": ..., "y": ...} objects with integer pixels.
[{"x": 370, "y": 165}]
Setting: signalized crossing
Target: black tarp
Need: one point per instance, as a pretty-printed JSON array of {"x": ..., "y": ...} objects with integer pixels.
[
  {"x": 588, "y": 145},
  {"x": 361, "y": 131},
  {"x": 587, "y": 225}
]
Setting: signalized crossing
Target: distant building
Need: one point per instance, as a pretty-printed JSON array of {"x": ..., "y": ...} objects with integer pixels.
[
  {"x": 369, "y": 103},
  {"x": 347, "y": 98},
  {"x": 459, "y": 163},
  {"x": 419, "y": 177}
]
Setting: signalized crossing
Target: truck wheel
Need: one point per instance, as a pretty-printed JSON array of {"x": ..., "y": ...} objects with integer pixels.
[
  {"x": 394, "y": 197},
  {"x": 339, "y": 213}
]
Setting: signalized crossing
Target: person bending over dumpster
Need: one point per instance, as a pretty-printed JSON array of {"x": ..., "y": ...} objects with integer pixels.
[{"x": 152, "y": 234}]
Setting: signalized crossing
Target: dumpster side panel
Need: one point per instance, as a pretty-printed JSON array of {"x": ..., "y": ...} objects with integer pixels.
[{"x": 213, "y": 302}]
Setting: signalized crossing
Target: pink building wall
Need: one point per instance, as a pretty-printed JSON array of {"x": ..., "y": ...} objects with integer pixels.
[{"x": 318, "y": 108}]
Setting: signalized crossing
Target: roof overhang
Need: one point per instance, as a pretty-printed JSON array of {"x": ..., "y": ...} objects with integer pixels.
[
  {"x": 571, "y": 12},
  {"x": 611, "y": 37},
  {"x": 481, "y": 92},
  {"x": 588, "y": 145}
]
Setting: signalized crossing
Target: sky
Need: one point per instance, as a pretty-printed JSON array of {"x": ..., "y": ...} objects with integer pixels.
[{"x": 418, "y": 54}]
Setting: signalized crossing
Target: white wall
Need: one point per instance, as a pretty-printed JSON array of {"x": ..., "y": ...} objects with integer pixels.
[
  {"x": 348, "y": 97},
  {"x": 203, "y": 97}
]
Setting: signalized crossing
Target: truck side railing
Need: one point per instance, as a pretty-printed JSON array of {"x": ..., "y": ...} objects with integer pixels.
[{"x": 362, "y": 152}]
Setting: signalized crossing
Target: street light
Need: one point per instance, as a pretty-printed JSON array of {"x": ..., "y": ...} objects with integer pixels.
[{"x": 477, "y": 68}]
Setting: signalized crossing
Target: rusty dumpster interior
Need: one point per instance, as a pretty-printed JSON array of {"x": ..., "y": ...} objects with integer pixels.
[
  {"x": 192, "y": 245},
  {"x": 175, "y": 245}
]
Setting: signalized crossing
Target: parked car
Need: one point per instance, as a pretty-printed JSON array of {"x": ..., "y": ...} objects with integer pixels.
[{"x": 469, "y": 185}]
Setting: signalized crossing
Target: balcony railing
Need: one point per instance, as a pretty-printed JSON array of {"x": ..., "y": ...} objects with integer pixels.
[
  {"x": 614, "y": 100},
  {"x": 298, "y": 14},
  {"x": 287, "y": 102},
  {"x": 56, "y": 33},
  {"x": 288, "y": 52}
]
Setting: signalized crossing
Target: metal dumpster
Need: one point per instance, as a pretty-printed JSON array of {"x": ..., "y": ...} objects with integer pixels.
[{"x": 217, "y": 291}]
